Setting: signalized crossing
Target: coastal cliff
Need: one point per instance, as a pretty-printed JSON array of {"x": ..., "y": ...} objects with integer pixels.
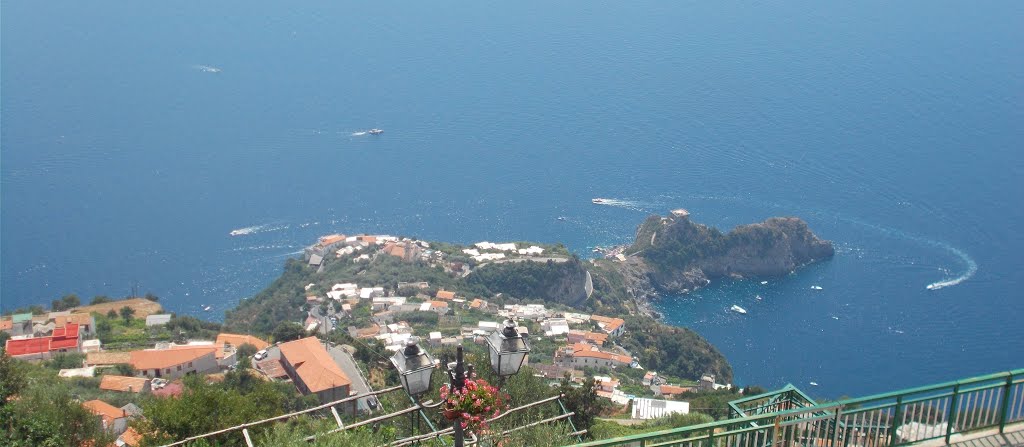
[{"x": 673, "y": 254}]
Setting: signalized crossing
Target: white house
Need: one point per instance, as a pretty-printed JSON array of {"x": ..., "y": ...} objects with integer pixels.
[
  {"x": 644, "y": 408},
  {"x": 158, "y": 319},
  {"x": 555, "y": 326}
]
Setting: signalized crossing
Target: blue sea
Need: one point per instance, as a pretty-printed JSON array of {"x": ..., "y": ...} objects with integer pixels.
[{"x": 136, "y": 136}]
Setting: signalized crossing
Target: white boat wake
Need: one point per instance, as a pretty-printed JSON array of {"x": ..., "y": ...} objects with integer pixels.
[
  {"x": 207, "y": 68},
  {"x": 633, "y": 205},
  {"x": 265, "y": 228},
  {"x": 972, "y": 268},
  {"x": 358, "y": 134}
]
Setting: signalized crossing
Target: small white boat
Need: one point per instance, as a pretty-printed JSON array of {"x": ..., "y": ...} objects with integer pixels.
[
  {"x": 814, "y": 383},
  {"x": 240, "y": 231},
  {"x": 815, "y": 287},
  {"x": 764, "y": 282},
  {"x": 599, "y": 201},
  {"x": 561, "y": 217},
  {"x": 758, "y": 297},
  {"x": 375, "y": 131},
  {"x": 738, "y": 309},
  {"x": 207, "y": 308}
]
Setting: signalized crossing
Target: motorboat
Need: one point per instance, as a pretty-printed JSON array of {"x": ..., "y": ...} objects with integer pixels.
[
  {"x": 738, "y": 309},
  {"x": 207, "y": 308},
  {"x": 600, "y": 201},
  {"x": 758, "y": 297},
  {"x": 375, "y": 131},
  {"x": 816, "y": 287}
]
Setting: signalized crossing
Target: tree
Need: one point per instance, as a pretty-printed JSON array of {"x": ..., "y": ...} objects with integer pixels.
[
  {"x": 150, "y": 296},
  {"x": 100, "y": 299},
  {"x": 127, "y": 313},
  {"x": 583, "y": 401},
  {"x": 288, "y": 331},
  {"x": 66, "y": 302},
  {"x": 45, "y": 412},
  {"x": 4, "y": 336},
  {"x": 111, "y": 313}
]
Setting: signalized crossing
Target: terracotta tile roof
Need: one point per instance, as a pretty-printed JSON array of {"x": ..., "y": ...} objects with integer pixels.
[
  {"x": 476, "y": 303},
  {"x": 332, "y": 238},
  {"x": 130, "y": 437},
  {"x": 590, "y": 351},
  {"x": 608, "y": 324},
  {"x": 64, "y": 337},
  {"x": 107, "y": 358},
  {"x": 106, "y": 411},
  {"x": 78, "y": 318},
  {"x": 313, "y": 364},
  {"x": 272, "y": 368},
  {"x": 237, "y": 340},
  {"x": 166, "y": 358},
  {"x": 6, "y": 325},
  {"x": 395, "y": 249},
  {"x": 596, "y": 338},
  {"x": 123, "y": 383},
  {"x": 170, "y": 390},
  {"x": 436, "y": 304},
  {"x": 444, "y": 295},
  {"x": 28, "y": 346}
]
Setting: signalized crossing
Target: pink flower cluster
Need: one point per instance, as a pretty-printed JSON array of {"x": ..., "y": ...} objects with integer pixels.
[{"x": 474, "y": 404}]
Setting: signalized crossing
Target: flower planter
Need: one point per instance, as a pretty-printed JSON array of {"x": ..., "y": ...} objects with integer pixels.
[{"x": 451, "y": 415}]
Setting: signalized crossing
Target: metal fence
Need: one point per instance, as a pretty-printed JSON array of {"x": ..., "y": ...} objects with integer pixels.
[{"x": 941, "y": 411}]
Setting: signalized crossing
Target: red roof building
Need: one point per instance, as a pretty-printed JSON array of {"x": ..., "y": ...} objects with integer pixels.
[{"x": 63, "y": 339}]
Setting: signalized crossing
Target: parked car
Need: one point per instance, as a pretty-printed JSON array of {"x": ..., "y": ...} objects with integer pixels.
[{"x": 260, "y": 355}]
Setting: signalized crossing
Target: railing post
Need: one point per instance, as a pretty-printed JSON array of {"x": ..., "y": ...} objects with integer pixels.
[
  {"x": 711, "y": 437},
  {"x": 895, "y": 420},
  {"x": 952, "y": 412},
  {"x": 1006, "y": 402}
]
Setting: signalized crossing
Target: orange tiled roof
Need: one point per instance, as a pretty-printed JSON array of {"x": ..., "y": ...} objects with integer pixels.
[
  {"x": 78, "y": 318},
  {"x": 106, "y": 411},
  {"x": 590, "y": 351},
  {"x": 130, "y": 437},
  {"x": 237, "y": 340},
  {"x": 166, "y": 358},
  {"x": 444, "y": 295},
  {"x": 6, "y": 325},
  {"x": 593, "y": 337},
  {"x": 436, "y": 304},
  {"x": 330, "y": 239},
  {"x": 608, "y": 324},
  {"x": 476, "y": 303},
  {"x": 123, "y": 383},
  {"x": 313, "y": 364}
]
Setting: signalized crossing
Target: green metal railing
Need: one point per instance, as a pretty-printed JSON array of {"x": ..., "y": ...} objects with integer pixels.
[{"x": 938, "y": 411}]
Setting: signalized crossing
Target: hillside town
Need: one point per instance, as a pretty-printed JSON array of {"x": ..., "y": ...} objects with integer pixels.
[{"x": 565, "y": 344}]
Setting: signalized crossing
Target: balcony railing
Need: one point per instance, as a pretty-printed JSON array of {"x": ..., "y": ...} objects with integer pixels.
[{"x": 939, "y": 411}]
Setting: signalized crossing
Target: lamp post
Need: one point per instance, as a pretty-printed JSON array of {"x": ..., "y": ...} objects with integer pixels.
[
  {"x": 415, "y": 368},
  {"x": 507, "y": 349}
]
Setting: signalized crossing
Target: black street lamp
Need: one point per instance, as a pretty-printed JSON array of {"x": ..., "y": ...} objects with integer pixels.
[
  {"x": 508, "y": 349},
  {"x": 415, "y": 367}
]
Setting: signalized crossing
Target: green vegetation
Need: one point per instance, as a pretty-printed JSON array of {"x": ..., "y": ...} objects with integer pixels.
[
  {"x": 673, "y": 351},
  {"x": 288, "y": 331},
  {"x": 66, "y": 302},
  {"x": 45, "y": 412},
  {"x": 604, "y": 429},
  {"x": 560, "y": 282},
  {"x": 117, "y": 332}
]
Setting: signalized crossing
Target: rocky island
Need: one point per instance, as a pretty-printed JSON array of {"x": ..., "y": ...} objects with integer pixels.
[{"x": 672, "y": 254}]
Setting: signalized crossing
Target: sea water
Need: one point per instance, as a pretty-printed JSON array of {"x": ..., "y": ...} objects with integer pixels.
[{"x": 135, "y": 137}]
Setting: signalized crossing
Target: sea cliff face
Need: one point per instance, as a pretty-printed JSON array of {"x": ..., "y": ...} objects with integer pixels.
[{"x": 675, "y": 255}]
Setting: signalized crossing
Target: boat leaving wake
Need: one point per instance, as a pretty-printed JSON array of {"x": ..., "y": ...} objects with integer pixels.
[
  {"x": 627, "y": 204},
  {"x": 972, "y": 268},
  {"x": 207, "y": 68},
  {"x": 358, "y": 134},
  {"x": 257, "y": 229}
]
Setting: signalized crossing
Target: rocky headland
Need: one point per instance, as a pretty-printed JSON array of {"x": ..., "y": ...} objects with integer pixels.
[{"x": 672, "y": 254}]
